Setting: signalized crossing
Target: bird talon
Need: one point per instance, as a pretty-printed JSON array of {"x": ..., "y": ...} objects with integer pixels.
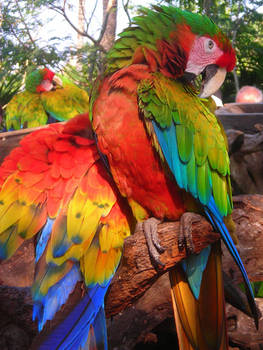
[
  {"x": 152, "y": 239},
  {"x": 185, "y": 232}
]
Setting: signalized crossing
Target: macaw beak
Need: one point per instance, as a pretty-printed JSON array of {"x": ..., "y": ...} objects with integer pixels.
[
  {"x": 213, "y": 77},
  {"x": 208, "y": 82},
  {"x": 57, "y": 82}
]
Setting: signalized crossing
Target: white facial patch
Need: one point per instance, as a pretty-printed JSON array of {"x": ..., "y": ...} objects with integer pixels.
[
  {"x": 46, "y": 85},
  {"x": 203, "y": 53}
]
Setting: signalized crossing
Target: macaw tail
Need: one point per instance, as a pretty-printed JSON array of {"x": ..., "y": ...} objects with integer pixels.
[
  {"x": 84, "y": 326},
  {"x": 201, "y": 322}
]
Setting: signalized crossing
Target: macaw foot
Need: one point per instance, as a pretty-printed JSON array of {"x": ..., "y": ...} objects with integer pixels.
[
  {"x": 185, "y": 232},
  {"x": 149, "y": 227}
]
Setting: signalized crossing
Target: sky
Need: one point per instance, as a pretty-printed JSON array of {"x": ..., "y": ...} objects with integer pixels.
[{"x": 58, "y": 27}]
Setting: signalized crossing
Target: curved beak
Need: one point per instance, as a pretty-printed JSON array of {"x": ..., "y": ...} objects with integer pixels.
[
  {"x": 213, "y": 78},
  {"x": 57, "y": 82}
]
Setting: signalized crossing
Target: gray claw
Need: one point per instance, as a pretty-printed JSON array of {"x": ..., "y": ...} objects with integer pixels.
[
  {"x": 152, "y": 239},
  {"x": 185, "y": 232}
]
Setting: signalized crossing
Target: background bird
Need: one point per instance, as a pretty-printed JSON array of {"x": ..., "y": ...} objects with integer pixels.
[{"x": 47, "y": 98}]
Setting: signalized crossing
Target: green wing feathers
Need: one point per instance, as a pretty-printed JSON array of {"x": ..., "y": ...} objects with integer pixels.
[
  {"x": 28, "y": 109},
  {"x": 188, "y": 123},
  {"x": 65, "y": 103},
  {"x": 25, "y": 110}
]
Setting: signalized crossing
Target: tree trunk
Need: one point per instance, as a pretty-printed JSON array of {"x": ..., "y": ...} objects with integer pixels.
[
  {"x": 109, "y": 7},
  {"x": 81, "y": 27},
  {"x": 81, "y": 23}
]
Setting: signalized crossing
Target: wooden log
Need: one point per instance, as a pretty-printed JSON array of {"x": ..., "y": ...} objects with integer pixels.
[
  {"x": 137, "y": 272},
  {"x": 11, "y": 139},
  {"x": 139, "y": 299}
]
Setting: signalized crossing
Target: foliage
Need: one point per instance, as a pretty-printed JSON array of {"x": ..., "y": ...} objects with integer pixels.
[
  {"x": 90, "y": 65},
  {"x": 257, "y": 288}
]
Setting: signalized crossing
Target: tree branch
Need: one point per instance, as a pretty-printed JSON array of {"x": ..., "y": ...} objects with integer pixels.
[
  {"x": 137, "y": 272},
  {"x": 125, "y": 7},
  {"x": 92, "y": 14},
  {"x": 96, "y": 42},
  {"x": 138, "y": 282},
  {"x": 111, "y": 7},
  {"x": 25, "y": 25}
]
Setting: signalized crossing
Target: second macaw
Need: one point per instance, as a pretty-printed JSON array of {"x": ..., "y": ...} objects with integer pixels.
[
  {"x": 168, "y": 152},
  {"x": 54, "y": 185},
  {"x": 46, "y": 97}
]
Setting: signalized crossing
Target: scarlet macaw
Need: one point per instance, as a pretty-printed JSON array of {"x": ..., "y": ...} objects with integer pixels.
[
  {"x": 55, "y": 185},
  {"x": 46, "y": 96},
  {"x": 168, "y": 154}
]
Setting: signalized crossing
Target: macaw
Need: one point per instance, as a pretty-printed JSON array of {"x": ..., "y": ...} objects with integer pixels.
[
  {"x": 46, "y": 97},
  {"x": 55, "y": 185},
  {"x": 167, "y": 152}
]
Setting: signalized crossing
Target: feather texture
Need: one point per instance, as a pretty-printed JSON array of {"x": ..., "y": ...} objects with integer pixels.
[
  {"x": 32, "y": 108},
  {"x": 55, "y": 183},
  {"x": 203, "y": 133}
]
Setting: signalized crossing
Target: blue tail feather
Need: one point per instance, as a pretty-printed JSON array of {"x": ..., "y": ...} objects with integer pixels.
[
  {"x": 218, "y": 223},
  {"x": 216, "y": 219},
  {"x": 73, "y": 332},
  {"x": 100, "y": 331},
  {"x": 194, "y": 267}
]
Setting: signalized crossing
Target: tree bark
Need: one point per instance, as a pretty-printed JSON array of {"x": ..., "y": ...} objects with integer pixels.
[
  {"x": 137, "y": 272},
  {"x": 81, "y": 23},
  {"x": 139, "y": 298},
  {"x": 109, "y": 6}
]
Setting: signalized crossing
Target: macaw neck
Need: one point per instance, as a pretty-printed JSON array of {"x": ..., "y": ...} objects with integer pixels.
[{"x": 122, "y": 138}]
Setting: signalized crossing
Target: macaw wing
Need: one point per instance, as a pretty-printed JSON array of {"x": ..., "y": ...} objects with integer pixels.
[
  {"x": 55, "y": 184},
  {"x": 40, "y": 177},
  {"x": 25, "y": 110},
  {"x": 189, "y": 139},
  {"x": 65, "y": 103}
]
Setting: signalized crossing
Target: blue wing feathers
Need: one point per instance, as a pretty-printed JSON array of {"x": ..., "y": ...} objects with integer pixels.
[
  {"x": 216, "y": 219},
  {"x": 73, "y": 332},
  {"x": 199, "y": 189},
  {"x": 45, "y": 307},
  {"x": 100, "y": 330},
  {"x": 43, "y": 238}
]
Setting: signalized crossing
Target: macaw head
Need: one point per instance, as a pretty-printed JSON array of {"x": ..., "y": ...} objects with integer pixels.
[
  {"x": 177, "y": 43},
  {"x": 42, "y": 80},
  {"x": 208, "y": 52}
]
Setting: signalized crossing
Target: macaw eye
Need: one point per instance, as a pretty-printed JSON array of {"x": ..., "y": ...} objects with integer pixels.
[{"x": 209, "y": 45}]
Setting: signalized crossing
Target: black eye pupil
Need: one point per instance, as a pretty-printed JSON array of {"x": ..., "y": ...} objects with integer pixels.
[{"x": 210, "y": 44}]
